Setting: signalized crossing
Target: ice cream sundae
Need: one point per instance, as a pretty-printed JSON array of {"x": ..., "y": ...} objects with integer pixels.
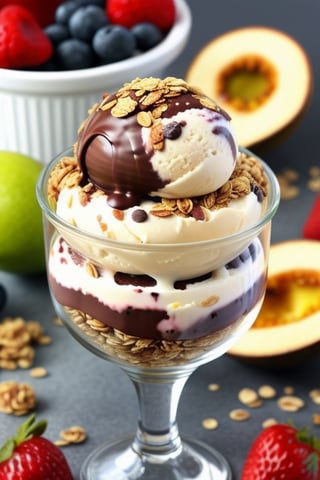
[{"x": 154, "y": 176}]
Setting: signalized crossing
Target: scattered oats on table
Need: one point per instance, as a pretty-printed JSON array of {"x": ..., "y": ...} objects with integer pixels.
[
  {"x": 210, "y": 423},
  {"x": 266, "y": 392},
  {"x": 248, "y": 396},
  {"x": 17, "y": 340},
  {"x": 16, "y": 398},
  {"x": 290, "y": 403},
  {"x": 269, "y": 422},
  {"x": 72, "y": 435},
  {"x": 239, "y": 415},
  {"x": 38, "y": 372},
  {"x": 315, "y": 395}
]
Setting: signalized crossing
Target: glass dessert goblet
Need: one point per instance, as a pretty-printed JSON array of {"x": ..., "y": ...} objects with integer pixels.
[{"x": 158, "y": 312}]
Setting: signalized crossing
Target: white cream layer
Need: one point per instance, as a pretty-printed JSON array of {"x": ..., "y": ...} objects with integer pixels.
[
  {"x": 184, "y": 307},
  {"x": 98, "y": 218}
]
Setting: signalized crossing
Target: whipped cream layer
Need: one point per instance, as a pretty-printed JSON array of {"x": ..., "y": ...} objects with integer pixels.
[
  {"x": 139, "y": 224},
  {"x": 151, "y": 307}
]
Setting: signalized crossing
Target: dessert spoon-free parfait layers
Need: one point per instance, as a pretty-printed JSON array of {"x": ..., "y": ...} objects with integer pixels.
[
  {"x": 159, "y": 367},
  {"x": 157, "y": 284}
]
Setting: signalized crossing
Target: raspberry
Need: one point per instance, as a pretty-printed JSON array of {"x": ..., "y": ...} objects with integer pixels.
[
  {"x": 128, "y": 13},
  {"x": 43, "y": 10}
]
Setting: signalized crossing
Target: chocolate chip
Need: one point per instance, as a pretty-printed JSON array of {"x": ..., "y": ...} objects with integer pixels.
[
  {"x": 172, "y": 130},
  {"x": 182, "y": 284},
  {"x": 197, "y": 213},
  {"x": 136, "y": 280},
  {"x": 139, "y": 215},
  {"x": 245, "y": 255},
  {"x": 258, "y": 192},
  {"x": 253, "y": 251},
  {"x": 235, "y": 263}
]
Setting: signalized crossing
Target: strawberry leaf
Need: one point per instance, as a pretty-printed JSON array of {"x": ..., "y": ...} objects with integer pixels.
[
  {"x": 304, "y": 436},
  {"x": 29, "y": 429},
  {"x": 312, "y": 463},
  {"x": 7, "y": 450}
]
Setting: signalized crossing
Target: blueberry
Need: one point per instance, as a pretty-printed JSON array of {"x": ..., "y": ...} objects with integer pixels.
[
  {"x": 113, "y": 43},
  {"x": 3, "y": 296},
  {"x": 65, "y": 10},
  {"x": 147, "y": 35},
  {"x": 57, "y": 33},
  {"x": 99, "y": 3},
  {"x": 73, "y": 54},
  {"x": 85, "y": 21}
]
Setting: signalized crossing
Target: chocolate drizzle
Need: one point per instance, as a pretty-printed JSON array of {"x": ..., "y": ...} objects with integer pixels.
[
  {"x": 226, "y": 133},
  {"x": 113, "y": 157}
]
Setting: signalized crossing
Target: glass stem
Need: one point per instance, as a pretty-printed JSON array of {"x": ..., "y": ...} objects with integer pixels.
[{"x": 157, "y": 438}]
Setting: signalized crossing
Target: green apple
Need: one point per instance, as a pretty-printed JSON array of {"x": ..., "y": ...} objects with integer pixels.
[{"x": 21, "y": 233}]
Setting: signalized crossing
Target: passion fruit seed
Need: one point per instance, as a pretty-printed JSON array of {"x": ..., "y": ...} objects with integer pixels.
[
  {"x": 247, "y": 82},
  {"x": 290, "y": 297}
]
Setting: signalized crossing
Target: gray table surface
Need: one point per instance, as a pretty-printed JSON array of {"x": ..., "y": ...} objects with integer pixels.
[{"x": 82, "y": 389}]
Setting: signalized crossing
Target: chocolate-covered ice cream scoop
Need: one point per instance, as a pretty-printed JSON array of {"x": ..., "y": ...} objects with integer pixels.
[{"x": 124, "y": 147}]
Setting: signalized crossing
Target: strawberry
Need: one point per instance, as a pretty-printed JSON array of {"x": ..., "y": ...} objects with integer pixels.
[
  {"x": 128, "y": 13},
  {"x": 43, "y": 10},
  {"x": 311, "y": 227},
  {"x": 282, "y": 452},
  {"x": 22, "y": 41},
  {"x": 29, "y": 456}
]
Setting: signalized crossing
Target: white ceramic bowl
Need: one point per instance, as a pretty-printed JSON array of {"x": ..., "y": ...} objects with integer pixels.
[{"x": 42, "y": 111}]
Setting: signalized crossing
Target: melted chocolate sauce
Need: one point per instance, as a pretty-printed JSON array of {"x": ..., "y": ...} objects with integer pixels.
[
  {"x": 112, "y": 156},
  {"x": 143, "y": 323}
]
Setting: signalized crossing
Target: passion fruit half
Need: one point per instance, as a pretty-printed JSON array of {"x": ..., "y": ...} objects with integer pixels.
[
  {"x": 287, "y": 329},
  {"x": 261, "y": 76}
]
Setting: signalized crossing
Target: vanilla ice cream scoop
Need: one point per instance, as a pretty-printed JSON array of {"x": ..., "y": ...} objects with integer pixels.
[{"x": 156, "y": 138}]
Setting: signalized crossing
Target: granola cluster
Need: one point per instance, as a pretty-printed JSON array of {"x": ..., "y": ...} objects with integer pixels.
[
  {"x": 17, "y": 340},
  {"x": 149, "y": 98},
  {"x": 16, "y": 398},
  {"x": 144, "y": 352},
  {"x": 248, "y": 174}
]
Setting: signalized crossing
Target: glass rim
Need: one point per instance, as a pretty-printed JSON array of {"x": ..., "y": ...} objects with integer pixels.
[{"x": 273, "y": 201}]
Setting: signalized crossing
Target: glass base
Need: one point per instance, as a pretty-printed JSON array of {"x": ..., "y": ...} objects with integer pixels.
[{"x": 118, "y": 461}]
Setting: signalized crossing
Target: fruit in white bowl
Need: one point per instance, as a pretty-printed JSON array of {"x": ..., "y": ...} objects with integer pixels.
[{"x": 41, "y": 109}]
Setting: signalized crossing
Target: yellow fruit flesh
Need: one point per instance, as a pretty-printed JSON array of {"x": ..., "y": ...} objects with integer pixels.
[
  {"x": 246, "y": 85},
  {"x": 290, "y": 297}
]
